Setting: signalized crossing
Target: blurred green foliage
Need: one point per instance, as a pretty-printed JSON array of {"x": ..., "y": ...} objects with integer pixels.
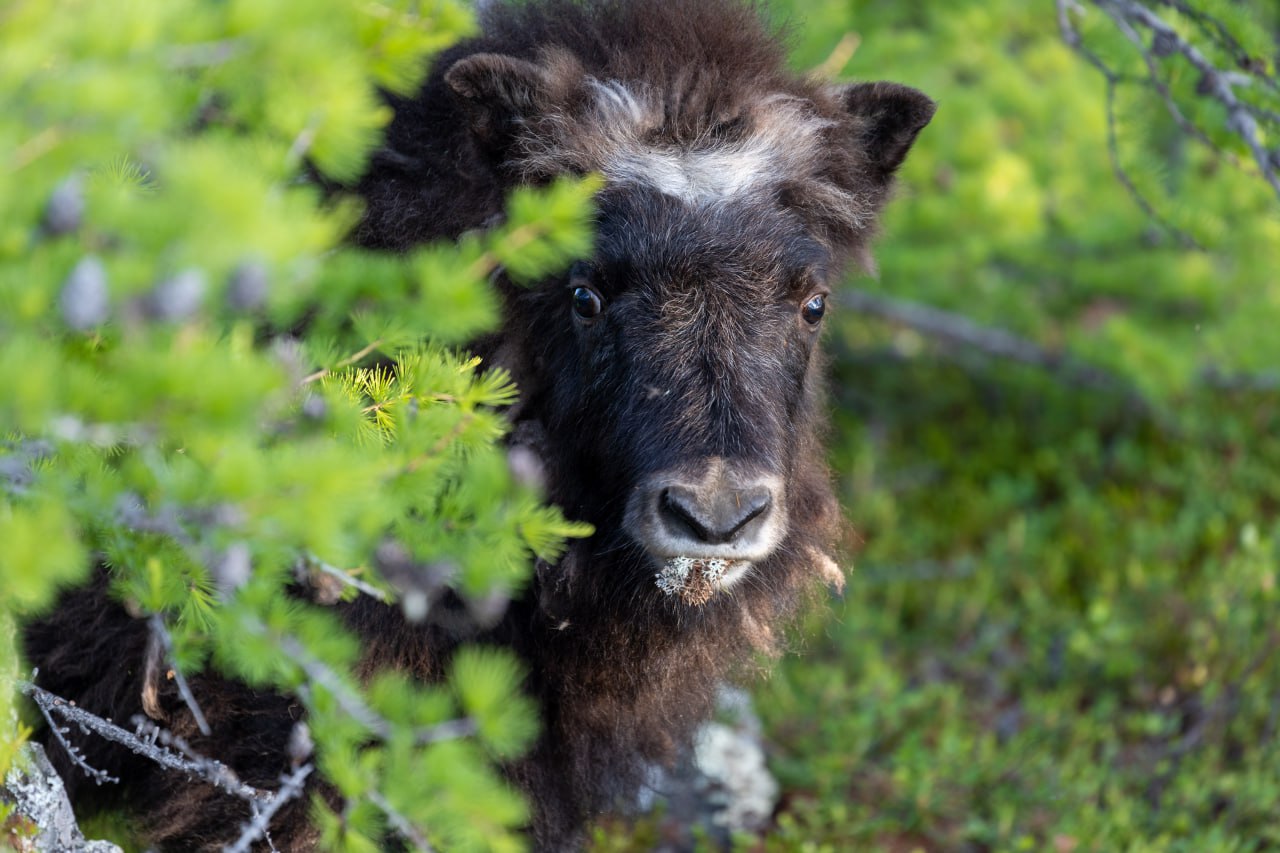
[
  {"x": 190, "y": 389},
  {"x": 1059, "y": 632}
]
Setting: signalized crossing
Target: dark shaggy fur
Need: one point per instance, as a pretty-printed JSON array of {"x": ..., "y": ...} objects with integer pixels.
[{"x": 736, "y": 192}]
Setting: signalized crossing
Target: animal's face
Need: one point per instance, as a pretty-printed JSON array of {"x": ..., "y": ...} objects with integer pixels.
[
  {"x": 676, "y": 370},
  {"x": 685, "y": 356}
]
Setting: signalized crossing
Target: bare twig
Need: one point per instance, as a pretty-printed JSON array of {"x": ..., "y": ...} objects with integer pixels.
[
  {"x": 60, "y": 733},
  {"x": 150, "y": 732},
  {"x": 948, "y": 328},
  {"x": 448, "y": 730},
  {"x": 214, "y": 772},
  {"x": 133, "y": 513},
  {"x": 161, "y": 635},
  {"x": 347, "y": 578},
  {"x": 302, "y": 142},
  {"x": 1209, "y": 25},
  {"x": 954, "y": 329},
  {"x": 839, "y": 56},
  {"x": 1219, "y": 84},
  {"x": 349, "y": 699},
  {"x": 36, "y": 147},
  {"x": 1223, "y": 381},
  {"x": 319, "y": 674},
  {"x": 203, "y": 54},
  {"x": 73, "y": 429},
  {"x": 290, "y": 787},
  {"x": 401, "y": 824},
  {"x": 18, "y": 468},
  {"x": 172, "y": 752},
  {"x": 1113, "y": 79}
]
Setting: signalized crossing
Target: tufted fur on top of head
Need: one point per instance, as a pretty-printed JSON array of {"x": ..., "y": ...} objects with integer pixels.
[{"x": 692, "y": 97}]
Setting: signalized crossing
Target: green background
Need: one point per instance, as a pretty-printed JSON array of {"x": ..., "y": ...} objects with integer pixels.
[{"x": 1060, "y": 627}]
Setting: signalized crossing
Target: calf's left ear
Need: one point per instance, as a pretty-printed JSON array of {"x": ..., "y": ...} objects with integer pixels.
[
  {"x": 496, "y": 92},
  {"x": 890, "y": 116}
]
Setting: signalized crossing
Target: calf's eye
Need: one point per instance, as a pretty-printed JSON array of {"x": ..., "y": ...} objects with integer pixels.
[
  {"x": 814, "y": 309},
  {"x": 586, "y": 303}
]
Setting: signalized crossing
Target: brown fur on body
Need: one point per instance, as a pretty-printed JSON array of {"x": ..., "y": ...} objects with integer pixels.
[
  {"x": 735, "y": 191},
  {"x": 91, "y": 651}
]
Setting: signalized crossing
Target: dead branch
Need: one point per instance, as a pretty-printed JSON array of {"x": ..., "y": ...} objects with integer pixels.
[
  {"x": 1113, "y": 79},
  {"x": 59, "y": 734},
  {"x": 1217, "y": 83},
  {"x": 214, "y": 772},
  {"x": 947, "y": 328},
  {"x": 1252, "y": 123}
]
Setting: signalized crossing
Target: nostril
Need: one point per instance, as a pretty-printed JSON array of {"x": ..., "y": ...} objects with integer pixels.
[
  {"x": 678, "y": 505},
  {"x": 750, "y": 506},
  {"x": 714, "y": 519}
]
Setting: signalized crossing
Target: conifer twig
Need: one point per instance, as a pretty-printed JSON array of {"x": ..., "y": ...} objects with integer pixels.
[
  {"x": 1162, "y": 89},
  {"x": 290, "y": 787},
  {"x": 349, "y": 360},
  {"x": 1113, "y": 79},
  {"x": 441, "y": 444},
  {"x": 515, "y": 240}
]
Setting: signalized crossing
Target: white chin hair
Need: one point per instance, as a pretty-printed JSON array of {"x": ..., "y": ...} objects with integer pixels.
[{"x": 696, "y": 580}]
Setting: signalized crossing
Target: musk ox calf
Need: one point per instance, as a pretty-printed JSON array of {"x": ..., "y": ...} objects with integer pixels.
[{"x": 671, "y": 382}]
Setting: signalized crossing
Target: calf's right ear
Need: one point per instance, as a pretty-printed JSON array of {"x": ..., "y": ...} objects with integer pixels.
[{"x": 497, "y": 91}]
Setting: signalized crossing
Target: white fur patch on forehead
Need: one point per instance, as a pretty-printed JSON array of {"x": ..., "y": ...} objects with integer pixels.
[
  {"x": 703, "y": 172},
  {"x": 696, "y": 177},
  {"x": 615, "y": 136}
]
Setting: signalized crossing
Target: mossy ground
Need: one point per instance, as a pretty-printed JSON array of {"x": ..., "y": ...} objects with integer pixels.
[{"x": 1059, "y": 632}]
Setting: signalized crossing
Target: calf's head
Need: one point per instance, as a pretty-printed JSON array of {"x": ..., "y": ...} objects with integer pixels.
[
  {"x": 676, "y": 370},
  {"x": 689, "y": 364}
]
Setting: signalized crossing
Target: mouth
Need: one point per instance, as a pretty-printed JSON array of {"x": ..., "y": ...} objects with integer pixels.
[{"x": 696, "y": 580}]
